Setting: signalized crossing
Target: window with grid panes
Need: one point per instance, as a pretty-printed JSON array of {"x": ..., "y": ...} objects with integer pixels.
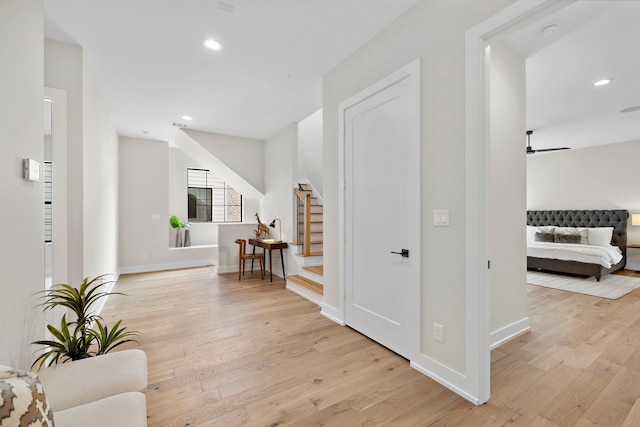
[{"x": 210, "y": 199}]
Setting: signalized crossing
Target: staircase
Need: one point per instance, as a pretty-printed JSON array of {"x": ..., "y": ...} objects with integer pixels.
[{"x": 308, "y": 245}]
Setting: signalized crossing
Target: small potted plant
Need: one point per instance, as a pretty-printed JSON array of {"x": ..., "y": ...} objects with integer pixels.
[{"x": 85, "y": 336}]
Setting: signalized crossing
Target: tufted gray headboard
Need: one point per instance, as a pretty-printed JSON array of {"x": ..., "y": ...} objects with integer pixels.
[{"x": 586, "y": 218}]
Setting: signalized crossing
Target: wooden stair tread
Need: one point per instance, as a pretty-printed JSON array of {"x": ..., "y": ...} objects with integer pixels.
[
  {"x": 318, "y": 269},
  {"x": 307, "y": 283},
  {"x": 311, "y": 254}
]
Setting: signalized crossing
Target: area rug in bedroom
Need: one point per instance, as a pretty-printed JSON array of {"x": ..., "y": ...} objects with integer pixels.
[{"x": 611, "y": 286}]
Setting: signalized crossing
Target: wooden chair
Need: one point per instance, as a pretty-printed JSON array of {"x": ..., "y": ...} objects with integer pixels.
[{"x": 243, "y": 256}]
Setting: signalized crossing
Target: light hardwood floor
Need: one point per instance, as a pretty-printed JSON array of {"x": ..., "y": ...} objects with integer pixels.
[{"x": 250, "y": 353}]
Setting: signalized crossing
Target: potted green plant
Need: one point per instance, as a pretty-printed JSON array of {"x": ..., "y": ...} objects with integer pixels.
[
  {"x": 175, "y": 222},
  {"x": 85, "y": 336}
]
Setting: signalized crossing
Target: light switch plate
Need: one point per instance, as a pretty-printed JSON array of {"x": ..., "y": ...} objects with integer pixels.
[
  {"x": 31, "y": 170},
  {"x": 441, "y": 217}
]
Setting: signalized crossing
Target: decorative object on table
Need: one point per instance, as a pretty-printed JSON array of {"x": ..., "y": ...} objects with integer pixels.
[
  {"x": 175, "y": 222},
  {"x": 273, "y": 225},
  {"x": 187, "y": 237},
  {"x": 263, "y": 230},
  {"x": 85, "y": 336}
]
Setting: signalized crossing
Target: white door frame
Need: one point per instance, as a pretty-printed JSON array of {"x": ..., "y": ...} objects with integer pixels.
[
  {"x": 409, "y": 71},
  {"x": 477, "y": 167},
  {"x": 60, "y": 193}
]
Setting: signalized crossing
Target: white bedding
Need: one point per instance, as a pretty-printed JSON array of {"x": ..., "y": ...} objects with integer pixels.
[{"x": 606, "y": 256}]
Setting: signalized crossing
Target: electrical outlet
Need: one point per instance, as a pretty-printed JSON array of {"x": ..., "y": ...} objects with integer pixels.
[
  {"x": 145, "y": 255},
  {"x": 438, "y": 332}
]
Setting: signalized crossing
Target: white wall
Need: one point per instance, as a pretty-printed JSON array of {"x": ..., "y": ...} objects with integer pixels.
[
  {"x": 228, "y": 250},
  {"x": 281, "y": 157},
  {"x": 178, "y": 163},
  {"x": 433, "y": 31},
  {"x": 602, "y": 177},
  {"x": 92, "y": 174},
  {"x": 21, "y": 119},
  {"x": 199, "y": 150},
  {"x": 310, "y": 150},
  {"x": 245, "y": 156},
  {"x": 145, "y": 233},
  {"x": 508, "y": 195},
  {"x": 100, "y": 182}
]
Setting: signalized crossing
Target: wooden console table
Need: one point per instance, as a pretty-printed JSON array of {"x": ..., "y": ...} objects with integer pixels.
[{"x": 268, "y": 246}]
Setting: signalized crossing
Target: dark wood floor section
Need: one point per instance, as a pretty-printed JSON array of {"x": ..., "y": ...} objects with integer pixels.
[{"x": 250, "y": 353}]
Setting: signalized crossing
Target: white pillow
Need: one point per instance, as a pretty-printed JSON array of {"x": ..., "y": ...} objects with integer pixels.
[
  {"x": 600, "y": 236},
  {"x": 531, "y": 232}
]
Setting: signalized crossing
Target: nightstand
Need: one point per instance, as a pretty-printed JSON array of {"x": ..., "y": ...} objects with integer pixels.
[{"x": 633, "y": 256}]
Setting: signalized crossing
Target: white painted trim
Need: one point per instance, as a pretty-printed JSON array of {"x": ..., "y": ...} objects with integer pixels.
[
  {"x": 305, "y": 293},
  {"x": 477, "y": 146},
  {"x": 167, "y": 266},
  {"x": 59, "y": 157},
  {"x": 225, "y": 269},
  {"x": 509, "y": 332},
  {"x": 107, "y": 288},
  {"x": 187, "y": 248},
  {"x": 340, "y": 315},
  {"x": 332, "y": 313},
  {"x": 444, "y": 378},
  {"x": 409, "y": 71}
]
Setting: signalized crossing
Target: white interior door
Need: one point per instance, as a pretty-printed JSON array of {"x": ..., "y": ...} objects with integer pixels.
[{"x": 382, "y": 205}]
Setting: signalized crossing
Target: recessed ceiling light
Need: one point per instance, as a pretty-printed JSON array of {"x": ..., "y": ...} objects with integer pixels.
[
  {"x": 630, "y": 109},
  {"x": 187, "y": 118},
  {"x": 212, "y": 44},
  {"x": 603, "y": 82}
]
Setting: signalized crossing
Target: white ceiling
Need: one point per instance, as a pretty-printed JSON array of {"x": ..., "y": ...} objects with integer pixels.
[
  {"x": 593, "y": 40},
  {"x": 148, "y": 59},
  {"x": 147, "y": 56}
]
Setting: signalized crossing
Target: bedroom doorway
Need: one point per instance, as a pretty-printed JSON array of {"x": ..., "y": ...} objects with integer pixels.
[
  {"x": 496, "y": 30},
  {"x": 489, "y": 319}
]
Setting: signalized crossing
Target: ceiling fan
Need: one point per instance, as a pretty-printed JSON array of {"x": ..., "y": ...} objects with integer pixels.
[{"x": 532, "y": 151}]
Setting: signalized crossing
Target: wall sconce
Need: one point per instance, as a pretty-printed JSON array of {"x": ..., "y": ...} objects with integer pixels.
[
  {"x": 273, "y": 225},
  {"x": 635, "y": 219}
]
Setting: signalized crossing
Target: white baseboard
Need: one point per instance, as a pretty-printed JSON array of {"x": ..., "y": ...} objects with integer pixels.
[
  {"x": 107, "y": 288},
  {"x": 440, "y": 377},
  {"x": 162, "y": 267},
  {"x": 226, "y": 269},
  {"x": 305, "y": 293},
  {"x": 333, "y": 314},
  {"x": 509, "y": 332}
]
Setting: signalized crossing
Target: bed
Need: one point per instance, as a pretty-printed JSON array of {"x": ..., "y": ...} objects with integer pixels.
[{"x": 575, "y": 257}]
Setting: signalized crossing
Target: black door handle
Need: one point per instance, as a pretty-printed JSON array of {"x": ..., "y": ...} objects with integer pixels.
[{"x": 404, "y": 253}]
